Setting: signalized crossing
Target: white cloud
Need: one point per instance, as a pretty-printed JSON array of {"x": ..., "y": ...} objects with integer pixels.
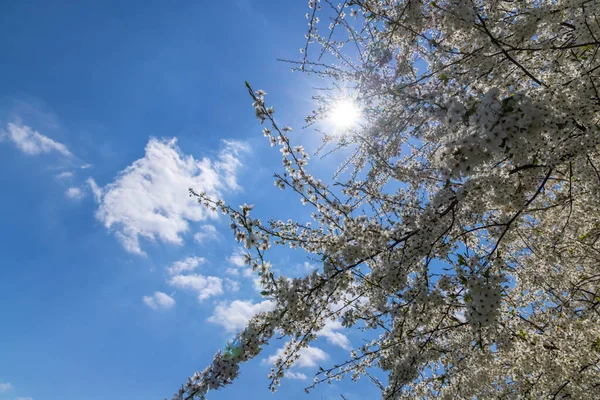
[
  {"x": 309, "y": 357},
  {"x": 159, "y": 300},
  {"x": 96, "y": 190},
  {"x": 307, "y": 267},
  {"x": 32, "y": 142},
  {"x": 149, "y": 199},
  {"x": 74, "y": 193},
  {"x": 295, "y": 375},
  {"x": 235, "y": 315},
  {"x": 237, "y": 259},
  {"x": 23, "y": 398},
  {"x": 5, "y": 386},
  {"x": 207, "y": 232},
  {"x": 204, "y": 286},
  {"x": 232, "y": 286},
  {"x": 64, "y": 175},
  {"x": 460, "y": 315},
  {"x": 185, "y": 265},
  {"x": 333, "y": 337}
]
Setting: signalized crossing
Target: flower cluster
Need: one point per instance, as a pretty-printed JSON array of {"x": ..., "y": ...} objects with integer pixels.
[{"x": 260, "y": 110}]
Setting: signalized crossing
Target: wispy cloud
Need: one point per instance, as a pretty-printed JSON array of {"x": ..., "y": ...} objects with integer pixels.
[
  {"x": 149, "y": 199},
  {"x": 296, "y": 375},
  {"x": 207, "y": 233},
  {"x": 204, "y": 286},
  {"x": 5, "y": 386},
  {"x": 64, "y": 175},
  {"x": 307, "y": 267},
  {"x": 159, "y": 300},
  {"x": 231, "y": 285},
  {"x": 234, "y": 316},
  {"x": 24, "y": 398},
  {"x": 185, "y": 265},
  {"x": 30, "y": 141},
  {"x": 95, "y": 189}
]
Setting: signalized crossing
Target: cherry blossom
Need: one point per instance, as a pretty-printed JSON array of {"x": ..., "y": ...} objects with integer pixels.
[{"x": 463, "y": 228}]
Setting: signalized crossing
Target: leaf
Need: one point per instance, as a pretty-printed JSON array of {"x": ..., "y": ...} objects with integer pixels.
[
  {"x": 587, "y": 47},
  {"x": 596, "y": 345},
  {"x": 508, "y": 104},
  {"x": 522, "y": 334}
]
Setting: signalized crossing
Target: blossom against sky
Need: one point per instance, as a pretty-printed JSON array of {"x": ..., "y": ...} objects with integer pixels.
[{"x": 114, "y": 284}]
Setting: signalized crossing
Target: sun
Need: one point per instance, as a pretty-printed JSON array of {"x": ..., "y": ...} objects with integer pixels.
[{"x": 344, "y": 114}]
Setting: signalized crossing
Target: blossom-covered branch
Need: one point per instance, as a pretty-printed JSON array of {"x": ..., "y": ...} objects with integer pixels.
[{"x": 463, "y": 229}]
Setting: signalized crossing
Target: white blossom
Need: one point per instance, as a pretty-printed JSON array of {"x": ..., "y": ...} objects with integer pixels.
[{"x": 464, "y": 227}]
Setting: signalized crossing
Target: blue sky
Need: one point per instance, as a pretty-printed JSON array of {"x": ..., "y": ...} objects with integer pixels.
[{"x": 113, "y": 283}]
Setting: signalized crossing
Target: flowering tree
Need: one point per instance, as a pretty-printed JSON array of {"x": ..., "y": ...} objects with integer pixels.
[{"x": 465, "y": 231}]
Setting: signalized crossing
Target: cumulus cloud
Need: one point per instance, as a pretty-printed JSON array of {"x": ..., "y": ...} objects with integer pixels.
[
  {"x": 32, "y": 142},
  {"x": 149, "y": 199},
  {"x": 237, "y": 259},
  {"x": 309, "y": 357},
  {"x": 5, "y": 386},
  {"x": 74, "y": 193},
  {"x": 234, "y": 316},
  {"x": 232, "y": 286},
  {"x": 333, "y": 337},
  {"x": 185, "y": 265},
  {"x": 204, "y": 286},
  {"x": 159, "y": 300},
  {"x": 207, "y": 232}
]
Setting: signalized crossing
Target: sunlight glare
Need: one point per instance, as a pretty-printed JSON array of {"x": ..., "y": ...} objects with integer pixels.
[{"x": 344, "y": 114}]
